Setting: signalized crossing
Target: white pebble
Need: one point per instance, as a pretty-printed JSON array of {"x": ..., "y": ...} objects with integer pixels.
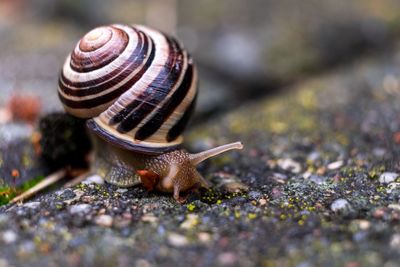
[
  {"x": 122, "y": 190},
  {"x": 227, "y": 258},
  {"x": 393, "y": 186},
  {"x": 394, "y": 206},
  {"x": 204, "y": 237},
  {"x": 313, "y": 156},
  {"x": 150, "y": 218},
  {"x": 9, "y": 237},
  {"x": 104, "y": 220},
  {"x": 335, "y": 165},
  {"x": 4, "y": 263},
  {"x": 177, "y": 240},
  {"x": 80, "y": 208},
  {"x": 340, "y": 205},
  {"x": 94, "y": 179},
  {"x": 289, "y": 165},
  {"x": 32, "y": 205},
  {"x": 395, "y": 241},
  {"x": 4, "y": 218},
  {"x": 364, "y": 224},
  {"x": 388, "y": 177},
  {"x": 379, "y": 152}
]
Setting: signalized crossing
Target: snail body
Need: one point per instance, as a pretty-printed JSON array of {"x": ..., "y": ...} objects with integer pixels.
[{"x": 137, "y": 87}]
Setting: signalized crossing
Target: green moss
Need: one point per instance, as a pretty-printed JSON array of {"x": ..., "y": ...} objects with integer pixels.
[
  {"x": 191, "y": 207},
  {"x": 7, "y": 193},
  {"x": 251, "y": 216}
]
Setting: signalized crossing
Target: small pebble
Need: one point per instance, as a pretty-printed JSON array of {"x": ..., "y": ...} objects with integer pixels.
[
  {"x": 263, "y": 202},
  {"x": 289, "y": 165},
  {"x": 379, "y": 152},
  {"x": 150, "y": 218},
  {"x": 88, "y": 199},
  {"x": 5, "y": 115},
  {"x": 393, "y": 186},
  {"x": 335, "y": 165},
  {"x": 4, "y": 263},
  {"x": 395, "y": 241},
  {"x": 4, "y": 218},
  {"x": 142, "y": 263},
  {"x": 80, "y": 208},
  {"x": 363, "y": 224},
  {"x": 26, "y": 248},
  {"x": 360, "y": 236},
  {"x": 78, "y": 192},
  {"x": 230, "y": 183},
  {"x": 121, "y": 223},
  {"x": 279, "y": 177},
  {"x": 235, "y": 187},
  {"x": 388, "y": 177},
  {"x": 191, "y": 221},
  {"x": 318, "y": 179},
  {"x": 340, "y": 205},
  {"x": 313, "y": 156},
  {"x": 32, "y": 205},
  {"x": 77, "y": 241},
  {"x": 9, "y": 237},
  {"x": 94, "y": 179},
  {"x": 65, "y": 194},
  {"x": 77, "y": 195},
  {"x": 227, "y": 258},
  {"x": 104, "y": 220},
  {"x": 379, "y": 213},
  {"x": 177, "y": 240},
  {"x": 122, "y": 190},
  {"x": 204, "y": 237},
  {"x": 255, "y": 194},
  {"x": 394, "y": 206}
]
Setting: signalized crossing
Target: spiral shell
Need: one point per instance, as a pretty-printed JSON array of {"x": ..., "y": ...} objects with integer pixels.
[{"x": 137, "y": 85}]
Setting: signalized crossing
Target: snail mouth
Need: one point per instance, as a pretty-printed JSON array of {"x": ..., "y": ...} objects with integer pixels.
[{"x": 124, "y": 143}]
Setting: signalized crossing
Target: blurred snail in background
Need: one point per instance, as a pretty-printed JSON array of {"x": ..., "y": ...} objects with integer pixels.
[{"x": 137, "y": 87}]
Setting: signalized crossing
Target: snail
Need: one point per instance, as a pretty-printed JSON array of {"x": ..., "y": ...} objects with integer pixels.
[{"x": 137, "y": 88}]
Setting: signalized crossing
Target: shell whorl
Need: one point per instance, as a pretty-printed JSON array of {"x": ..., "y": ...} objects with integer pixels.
[{"x": 137, "y": 85}]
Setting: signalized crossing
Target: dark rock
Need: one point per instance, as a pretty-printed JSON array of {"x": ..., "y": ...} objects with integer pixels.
[{"x": 69, "y": 146}]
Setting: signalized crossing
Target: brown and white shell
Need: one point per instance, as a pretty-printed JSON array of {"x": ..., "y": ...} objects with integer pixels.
[{"x": 137, "y": 85}]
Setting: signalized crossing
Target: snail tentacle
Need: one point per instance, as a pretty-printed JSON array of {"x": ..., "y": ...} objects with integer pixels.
[{"x": 199, "y": 157}]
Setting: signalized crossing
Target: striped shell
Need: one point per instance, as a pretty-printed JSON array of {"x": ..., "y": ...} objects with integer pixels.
[{"x": 137, "y": 85}]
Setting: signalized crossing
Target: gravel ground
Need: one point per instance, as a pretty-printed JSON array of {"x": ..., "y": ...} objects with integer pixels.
[{"x": 317, "y": 185}]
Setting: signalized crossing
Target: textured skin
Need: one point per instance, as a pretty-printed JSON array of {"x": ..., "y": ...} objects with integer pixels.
[
  {"x": 176, "y": 173},
  {"x": 168, "y": 172}
]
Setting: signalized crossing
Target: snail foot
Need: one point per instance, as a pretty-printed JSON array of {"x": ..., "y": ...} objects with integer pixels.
[
  {"x": 181, "y": 197},
  {"x": 177, "y": 196}
]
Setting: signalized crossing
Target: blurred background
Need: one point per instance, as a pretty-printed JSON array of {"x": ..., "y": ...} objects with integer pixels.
[{"x": 245, "y": 49}]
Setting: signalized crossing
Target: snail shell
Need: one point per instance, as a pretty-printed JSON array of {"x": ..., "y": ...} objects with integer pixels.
[
  {"x": 138, "y": 88},
  {"x": 137, "y": 85}
]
